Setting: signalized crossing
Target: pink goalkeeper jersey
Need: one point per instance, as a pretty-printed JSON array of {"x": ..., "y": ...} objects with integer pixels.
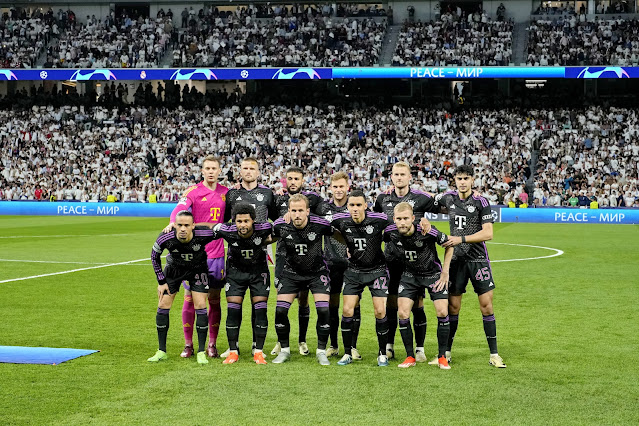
[{"x": 206, "y": 206}]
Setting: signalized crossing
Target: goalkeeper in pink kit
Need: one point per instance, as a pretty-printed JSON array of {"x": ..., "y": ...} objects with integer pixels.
[{"x": 207, "y": 202}]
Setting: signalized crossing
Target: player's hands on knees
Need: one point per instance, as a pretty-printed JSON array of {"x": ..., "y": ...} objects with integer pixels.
[
  {"x": 452, "y": 241},
  {"x": 168, "y": 228},
  {"x": 425, "y": 224},
  {"x": 162, "y": 290},
  {"x": 441, "y": 283}
]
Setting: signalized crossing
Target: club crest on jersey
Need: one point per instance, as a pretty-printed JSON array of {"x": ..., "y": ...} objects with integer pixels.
[
  {"x": 257, "y": 241},
  {"x": 419, "y": 243},
  {"x": 311, "y": 236},
  {"x": 470, "y": 209},
  {"x": 259, "y": 197},
  {"x": 369, "y": 229},
  {"x": 196, "y": 247},
  {"x": 411, "y": 202},
  {"x": 223, "y": 197}
]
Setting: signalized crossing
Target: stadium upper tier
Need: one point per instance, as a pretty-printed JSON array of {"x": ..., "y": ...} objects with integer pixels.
[
  {"x": 85, "y": 154},
  {"x": 312, "y": 36}
]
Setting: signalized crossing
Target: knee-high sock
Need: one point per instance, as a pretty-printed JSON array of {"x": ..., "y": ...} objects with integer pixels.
[
  {"x": 215, "y": 318},
  {"x": 304, "y": 316},
  {"x": 202, "y": 327},
  {"x": 261, "y": 324},
  {"x": 282, "y": 324},
  {"x": 407, "y": 336},
  {"x": 333, "y": 312},
  {"x": 454, "y": 322},
  {"x": 391, "y": 314},
  {"x": 162, "y": 324},
  {"x": 443, "y": 330},
  {"x": 357, "y": 320},
  {"x": 253, "y": 322},
  {"x": 419, "y": 316},
  {"x": 490, "y": 328},
  {"x": 233, "y": 322},
  {"x": 188, "y": 318},
  {"x": 323, "y": 326},
  {"x": 381, "y": 327},
  {"x": 347, "y": 334}
]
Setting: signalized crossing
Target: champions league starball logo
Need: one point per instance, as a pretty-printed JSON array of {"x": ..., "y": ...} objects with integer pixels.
[
  {"x": 189, "y": 74},
  {"x": 8, "y": 75},
  {"x": 98, "y": 74},
  {"x": 606, "y": 72},
  {"x": 296, "y": 74}
]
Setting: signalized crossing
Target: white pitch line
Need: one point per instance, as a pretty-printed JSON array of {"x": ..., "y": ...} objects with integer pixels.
[
  {"x": 53, "y": 261},
  {"x": 65, "y": 235},
  {"x": 73, "y": 270},
  {"x": 557, "y": 252}
]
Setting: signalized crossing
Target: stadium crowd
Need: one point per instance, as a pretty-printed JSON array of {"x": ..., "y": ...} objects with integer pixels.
[
  {"x": 467, "y": 40},
  {"x": 304, "y": 39},
  {"x": 573, "y": 40},
  {"x": 140, "y": 153},
  {"x": 25, "y": 37}
]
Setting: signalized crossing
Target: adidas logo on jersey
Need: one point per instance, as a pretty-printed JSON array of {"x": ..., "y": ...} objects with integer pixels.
[
  {"x": 239, "y": 198},
  {"x": 389, "y": 205},
  {"x": 203, "y": 198},
  {"x": 234, "y": 244},
  {"x": 491, "y": 285},
  {"x": 289, "y": 237},
  {"x": 176, "y": 251},
  {"x": 283, "y": 204},
  {"x": 399, "y": 243},
  {"x": 445, "y": 292},
  {"x": 349, "y": 231}
]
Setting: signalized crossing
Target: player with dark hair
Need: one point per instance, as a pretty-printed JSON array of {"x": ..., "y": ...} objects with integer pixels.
[
  {"x": 294, "y": 185},
  {"x": 304, "y": 269},
  {"x": 471, "y": 225},
  {"x": 337, "y": 260},
  {"x": 247, "y": 269},
  {"x": 259, "y": 196},
  {"x": 186, "y": 262},
  {"x": 422, "y": 271},
  {"x": 363, "y": 233},
  {"x": 421, "y": 203},
  {"x": 207, "y": 202}
]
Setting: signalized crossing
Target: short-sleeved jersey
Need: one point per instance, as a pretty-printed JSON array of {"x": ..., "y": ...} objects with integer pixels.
[
  {"x": 206, "y": 206},
  {"x": 245, "y": 254},
  {"x": 466, "y": 217},
  {"x": 417, "y": 251},
  {"x": 260, "y": 197},
  {"x": 181, "y": 255},
  {"x": 334, "y": 250},
  {"x": 364, "y": 240},
  {"x": 282, "y": 208},
  {"x": 420, "y": 201},
  {"x": 302, "y": 248}
]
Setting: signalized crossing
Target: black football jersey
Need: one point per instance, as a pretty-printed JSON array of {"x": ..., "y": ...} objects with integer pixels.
[
  {"x": 334, "y": 250},
  {"x": 245, "y": 254},
  {"x": 182, "y": 255},
  {"x": 302, "y": 248},
  {"x": 260, "y": 197},
  {"x": 282, "y": 208},
  {"x": 420, "y": 201},
  {"x": 417, "y": 251},
  {"x": 363, "y": 240},
  {"x": 466, "y": 217}
]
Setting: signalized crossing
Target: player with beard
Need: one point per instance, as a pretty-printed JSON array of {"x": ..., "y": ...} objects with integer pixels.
[
  {"x": 294, "y": 184},
  {"x": 421, "y": 203},
  {"x": 207, "y": 202}
]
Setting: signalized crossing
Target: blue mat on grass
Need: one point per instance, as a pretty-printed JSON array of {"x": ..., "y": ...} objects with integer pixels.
[{"x": 52, "y": 356}]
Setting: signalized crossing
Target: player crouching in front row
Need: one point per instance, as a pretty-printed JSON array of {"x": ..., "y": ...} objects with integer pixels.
[{"x": 422, "y": 271}]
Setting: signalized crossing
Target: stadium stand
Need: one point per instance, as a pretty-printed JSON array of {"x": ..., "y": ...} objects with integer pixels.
[{"x": 24, "y": 38}]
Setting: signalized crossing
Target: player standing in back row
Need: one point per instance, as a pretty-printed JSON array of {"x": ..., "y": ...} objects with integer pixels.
[
  {"x": 471, "y": 225},
  {"x": 421, "y": 203}
]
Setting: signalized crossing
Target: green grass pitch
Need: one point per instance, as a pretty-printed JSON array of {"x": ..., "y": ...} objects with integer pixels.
[{"x": 567, "y": 328}]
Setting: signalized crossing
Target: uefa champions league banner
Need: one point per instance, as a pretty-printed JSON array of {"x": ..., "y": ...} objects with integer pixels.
[
  {"x": 221, "y": 74},
  {"x": 44, "y": 208},
  {"x": 570, "y": 215}
]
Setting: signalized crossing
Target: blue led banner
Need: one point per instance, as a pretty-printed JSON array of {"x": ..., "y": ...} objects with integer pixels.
[
  {"x": 570, "y": 215},
  {"x": 44, "y": 208},
  {"x": 318, "y": 73}
]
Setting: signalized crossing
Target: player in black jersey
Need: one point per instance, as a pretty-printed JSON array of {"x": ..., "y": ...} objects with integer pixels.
[
  {"x": 186, "y": 262},
  {"x": 259, "y": 196},
  {"x": 337, "y": 260},
  {"x": 304, "y": 269},
  {"x": 422, "y": 271},
  {"x": 471, "y": 225},
  {"x": 421, "y": 203},
  {"x": 247, "y": 268},
  {"x": 363, "y": 233},
  {"x": 294, "y": 184}
]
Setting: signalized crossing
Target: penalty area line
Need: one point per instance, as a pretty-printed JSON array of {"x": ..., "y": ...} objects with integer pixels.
[{"x": 73, "y": 270}]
